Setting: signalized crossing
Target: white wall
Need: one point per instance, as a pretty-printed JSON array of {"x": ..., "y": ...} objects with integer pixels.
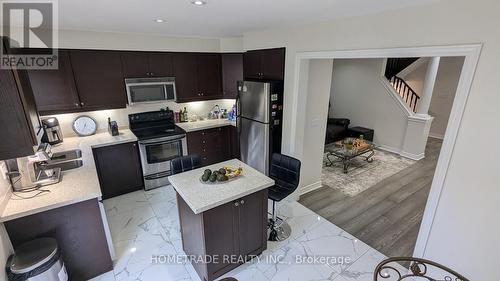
[
  {"x": 318, "y": 89},
  {"x": 121, "y": 41},
  {"x": 234, "y": 44},
  {"x": 444, "y": 90},
  {"x": 199, "y": 108},
  {"x": 465, "y": 232},
  {"x": 358, "y": 94}
]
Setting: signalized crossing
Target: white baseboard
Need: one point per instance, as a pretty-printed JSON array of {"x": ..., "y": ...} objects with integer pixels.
[
  {"x": 388, "y": 148},
  {"x": 408, "y": 155},
  {"x": 412, "y": 156},
  {"x": 436, "y": 136},
  {"x": 308, "y": 188}
]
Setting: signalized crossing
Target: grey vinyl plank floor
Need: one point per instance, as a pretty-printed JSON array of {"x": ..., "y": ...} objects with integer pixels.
[{"x": 386, "y": 216}]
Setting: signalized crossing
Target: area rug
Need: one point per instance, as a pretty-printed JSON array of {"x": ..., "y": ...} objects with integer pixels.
[{"x": 362, "y": 175}]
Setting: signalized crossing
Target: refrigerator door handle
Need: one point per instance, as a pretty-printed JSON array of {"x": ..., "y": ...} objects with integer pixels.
[{"x": 238, "y": 107}]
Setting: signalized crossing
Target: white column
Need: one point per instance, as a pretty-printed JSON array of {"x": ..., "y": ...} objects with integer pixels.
[{"x": 428, "y": 87}]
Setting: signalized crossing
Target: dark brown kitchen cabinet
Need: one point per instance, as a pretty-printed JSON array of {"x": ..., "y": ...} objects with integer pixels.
[
  {"x": 252, "y": 64},
  {"x": 185, "y": 70},
  {"x": 144, "y": 64},
  {"x": 135, "y": 64},
  {"x": 198, "y": 76},
  {"x": 237, "y": 228},
  {"x": 55, "y": 90},
  {"x": 264, "y": 64},
  {"x": 161, "y": 64},
  {"x": 99, "y": 79},
  {"x": 209, "y": 78},
  {"x": 235, "y": 142},
  {"x": 232, "y": 72},
  {"x": 80, "y": 234},
  {"x": 213, "y": 145},
  {"x": 118, "y": 168},
  {"x": 18, "y": 113}
]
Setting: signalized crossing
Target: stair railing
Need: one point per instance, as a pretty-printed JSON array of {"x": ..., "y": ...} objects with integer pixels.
[{"x": 406, "y": 92}]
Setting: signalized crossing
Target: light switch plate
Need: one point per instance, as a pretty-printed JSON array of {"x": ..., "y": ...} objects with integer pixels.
[{"x": 3, "y": 169}]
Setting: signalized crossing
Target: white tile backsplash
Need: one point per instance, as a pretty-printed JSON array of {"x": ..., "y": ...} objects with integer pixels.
[{"x": 199, "y": 108}]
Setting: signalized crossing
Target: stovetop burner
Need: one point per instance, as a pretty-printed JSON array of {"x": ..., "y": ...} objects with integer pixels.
[
  {"x": 154, "y": 124},
  {"x": 157, "y": 132}
]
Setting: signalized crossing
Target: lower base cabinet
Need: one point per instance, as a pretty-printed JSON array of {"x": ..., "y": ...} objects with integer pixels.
[
  {"x": 226, "y": 235},
  {"x": 80, "y": 234},
  {"x": 235, "y": 142},
  {"x": 118, "y": 168},
  {"x": 213, "y": 145}
]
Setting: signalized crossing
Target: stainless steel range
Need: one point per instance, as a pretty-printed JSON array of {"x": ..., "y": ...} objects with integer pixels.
[{"x": 160, "y": 141}]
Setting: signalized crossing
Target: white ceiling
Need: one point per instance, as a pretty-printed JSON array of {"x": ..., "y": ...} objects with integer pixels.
[{"x": 218, "y": 18}]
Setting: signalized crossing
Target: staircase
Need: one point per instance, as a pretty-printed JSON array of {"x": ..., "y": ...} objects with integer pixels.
[{"x": 393, "y": 67}]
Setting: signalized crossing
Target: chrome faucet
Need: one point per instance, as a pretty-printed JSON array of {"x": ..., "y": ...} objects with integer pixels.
[{"x": 27, "y": 173}]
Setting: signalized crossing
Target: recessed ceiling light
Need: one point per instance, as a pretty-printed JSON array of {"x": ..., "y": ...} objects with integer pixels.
[
  {"x": 199, "y": 2},
  {"x": 159, "y": 20}
]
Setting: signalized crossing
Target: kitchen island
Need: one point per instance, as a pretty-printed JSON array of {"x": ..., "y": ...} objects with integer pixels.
[{"x": 222, "y": 225}]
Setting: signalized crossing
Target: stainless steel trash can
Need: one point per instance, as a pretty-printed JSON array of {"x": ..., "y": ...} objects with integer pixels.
[{"x": 37, "y": 260}]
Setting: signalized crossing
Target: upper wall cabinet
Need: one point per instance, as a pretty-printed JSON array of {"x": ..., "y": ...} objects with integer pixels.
[
  {"x": 209, "y": 76},
  {"x": 143, "y": 64},
  {"x": 232, "y": 72},
  {"x": 18, "y": 114},
  {"x": 185, "y": 77},
  {"x": 99, "y": 79},
  {"x": 94, "y": 79},
  {"x": 55, "y": 90},
  {"x": 197, "y": 76},
  {"x": 264, "y": 64}
]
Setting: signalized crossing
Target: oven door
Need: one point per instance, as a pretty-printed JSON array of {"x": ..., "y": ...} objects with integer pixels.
[{"x": 156, "y": 155}]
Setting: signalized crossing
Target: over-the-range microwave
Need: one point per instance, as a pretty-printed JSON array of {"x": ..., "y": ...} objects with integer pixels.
[{"x": 150, "y": 90}]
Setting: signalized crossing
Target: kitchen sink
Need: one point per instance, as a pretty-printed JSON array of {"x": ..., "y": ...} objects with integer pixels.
[
  {"x": 66, "y": 160},
  {"x": 66, "y": 165},
  {"x": 65, "y": 156}
]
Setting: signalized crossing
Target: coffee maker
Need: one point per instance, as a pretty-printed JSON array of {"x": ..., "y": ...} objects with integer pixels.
[{"x": 53, "y": 134}]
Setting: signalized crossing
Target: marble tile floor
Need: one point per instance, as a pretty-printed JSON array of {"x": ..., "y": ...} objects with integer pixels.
[{"x": 145, "y": 224}]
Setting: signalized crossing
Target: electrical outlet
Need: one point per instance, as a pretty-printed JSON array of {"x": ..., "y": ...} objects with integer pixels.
[{"x": 3, "y": 169}]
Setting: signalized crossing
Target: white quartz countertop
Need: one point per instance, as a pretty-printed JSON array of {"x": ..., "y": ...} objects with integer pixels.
[
  {"x": 201, "y": 196},
  {"x": 77, "y": 185},
  {"x": 205, "y": 124}
]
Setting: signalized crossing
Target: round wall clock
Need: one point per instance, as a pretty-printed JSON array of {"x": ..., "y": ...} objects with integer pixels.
[{"x": 84, "y": 125}]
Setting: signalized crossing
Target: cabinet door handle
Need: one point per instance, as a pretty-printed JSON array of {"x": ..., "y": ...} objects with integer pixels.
[
  {"x": 152, "y": 73},
  {"x": 82, "y": 103},
  {"x": 236, "y": 204},
  {"x": 76, "y": 104},
  {"x": 242, "y": 202}
]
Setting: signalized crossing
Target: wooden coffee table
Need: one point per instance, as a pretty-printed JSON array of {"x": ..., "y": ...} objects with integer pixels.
[{"x": 341, "y": 154}]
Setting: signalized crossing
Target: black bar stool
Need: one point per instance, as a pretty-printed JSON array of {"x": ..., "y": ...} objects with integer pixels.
[
  {"x": 185, "y": 163},
  {"x": 285, "y": 171}
]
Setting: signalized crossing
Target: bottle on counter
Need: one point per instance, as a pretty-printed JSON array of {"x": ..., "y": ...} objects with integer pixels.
[
  {"x": 181, "y": 116},
  {"x": 185, "y": 115}
]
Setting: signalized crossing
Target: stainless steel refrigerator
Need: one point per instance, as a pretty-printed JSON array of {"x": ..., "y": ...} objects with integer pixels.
[{"x": 259, "y": 121}]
